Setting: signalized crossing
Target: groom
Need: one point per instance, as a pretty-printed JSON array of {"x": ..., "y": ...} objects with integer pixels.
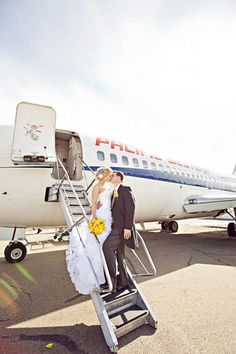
[{"x": 123, "y": 218}]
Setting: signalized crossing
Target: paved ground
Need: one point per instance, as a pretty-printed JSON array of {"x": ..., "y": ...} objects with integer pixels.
[{"x": 193, "y": 296}]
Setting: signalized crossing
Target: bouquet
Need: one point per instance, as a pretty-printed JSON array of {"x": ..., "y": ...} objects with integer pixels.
[{"x": 97, "y": 226}]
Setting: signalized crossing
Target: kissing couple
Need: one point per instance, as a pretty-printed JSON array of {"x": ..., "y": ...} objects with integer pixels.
[{"x": 113, "y": 203}]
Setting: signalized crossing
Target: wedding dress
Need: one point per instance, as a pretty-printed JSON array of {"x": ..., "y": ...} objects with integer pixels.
[{"x": 80, "y": 258}]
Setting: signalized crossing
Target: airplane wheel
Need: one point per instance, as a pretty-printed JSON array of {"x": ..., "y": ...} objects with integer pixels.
[
  {"x": 173, "y": 226},
  {"x": 232, "y": 229},
  {"x": 15, "y": 252}
]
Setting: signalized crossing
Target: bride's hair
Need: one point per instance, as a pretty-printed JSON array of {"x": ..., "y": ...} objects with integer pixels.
[{"x": 103, "y": 172}]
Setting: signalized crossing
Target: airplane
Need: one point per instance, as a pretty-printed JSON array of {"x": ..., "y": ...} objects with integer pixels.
[{"x": 35, "y": 155}]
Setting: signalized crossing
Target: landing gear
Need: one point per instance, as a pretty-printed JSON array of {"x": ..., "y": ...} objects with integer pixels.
[
  {"x": 232, "y": 229},
  {"x": 171, "y": 226},
  {"x": 231, "y": 226},
  {"x": 164, "y": 226},
  {"x": 15, "y": 252},
  {"x": 142, "y": 226}
]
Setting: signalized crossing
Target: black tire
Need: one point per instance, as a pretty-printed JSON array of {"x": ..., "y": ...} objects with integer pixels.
[
  {"x": 164, "y": 225},
  {"x": 232, "y": 229},
  {"x": 15, "y": 252},
  {"x": 173, "y": 226}
]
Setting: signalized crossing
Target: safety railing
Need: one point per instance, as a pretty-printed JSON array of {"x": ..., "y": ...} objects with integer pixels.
[
  {"x": 149, "y": 258},
  {"x": 90, "y": 169}
]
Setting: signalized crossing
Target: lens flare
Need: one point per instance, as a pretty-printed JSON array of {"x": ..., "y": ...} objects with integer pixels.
[
  {"x": 25, "y": 273},
  {"x": 6, "y": 301},
  {"x": 11, "y": 280},
  {"x": 9, "y": 288}
]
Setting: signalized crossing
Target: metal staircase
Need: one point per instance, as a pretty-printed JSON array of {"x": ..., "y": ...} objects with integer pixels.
[{"x": 121, "y": 312}]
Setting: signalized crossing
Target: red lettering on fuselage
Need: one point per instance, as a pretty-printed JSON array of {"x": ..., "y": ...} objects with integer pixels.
[
  {"x": 128, "y": 149},
  {"x": 117, "y": 144},
  {"x": 124, "y": 147},
  {"x": 101, "y": 140}
]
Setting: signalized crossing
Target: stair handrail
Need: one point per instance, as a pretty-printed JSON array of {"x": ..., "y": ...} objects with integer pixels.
[
  {"x": 105, "y": 267},
  {"x": 66, "y": 176},
  {"x": 154, "y": 271},
  {"x": 91, "y": 170},
  {"x": 90, "y": 185}
]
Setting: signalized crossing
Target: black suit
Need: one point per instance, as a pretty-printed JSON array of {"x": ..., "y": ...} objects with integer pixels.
[{"x": 113, "y": 247}]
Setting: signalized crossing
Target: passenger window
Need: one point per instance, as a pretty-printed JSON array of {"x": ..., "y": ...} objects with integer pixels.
[
  {"x": 125, "y": 160},
  {"x": 161, "y": 168},
  {"x": 153, "y": 166},
  {"x": 100, "y": 155},
  {"x": 145, "y": 164},
  {"x": 113, "y": 158},
  {"x": 135, "y": 162}
]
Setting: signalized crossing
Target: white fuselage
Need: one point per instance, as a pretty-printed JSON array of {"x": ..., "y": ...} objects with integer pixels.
[{"x": 160, "y": 187}]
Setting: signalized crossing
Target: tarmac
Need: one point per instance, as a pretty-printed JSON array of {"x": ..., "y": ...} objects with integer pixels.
[{"x": 192, "y": 295}]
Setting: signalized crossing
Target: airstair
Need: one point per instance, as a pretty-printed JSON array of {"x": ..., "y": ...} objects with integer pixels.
[{"x": 121, "y": 312}]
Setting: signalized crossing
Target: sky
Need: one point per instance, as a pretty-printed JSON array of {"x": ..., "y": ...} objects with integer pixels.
[{"x": 159, "y": 75}]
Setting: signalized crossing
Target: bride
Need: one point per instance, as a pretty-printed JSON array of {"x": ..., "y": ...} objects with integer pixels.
[{"x": 80, "y": 256}]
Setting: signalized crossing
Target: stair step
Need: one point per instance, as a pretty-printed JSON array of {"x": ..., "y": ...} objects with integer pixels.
[
  {"x": 76, "y": 188},
  {"x": 74, "y": 203},
  {"x": 71, "y": 195},
  {"x": 77, "y": 210},
  {"x": 128, "y": 320},
  {"x": 80, "y": 218},
  {"x": 67, "y": 187},
  {"x": 116, "y": 302}
]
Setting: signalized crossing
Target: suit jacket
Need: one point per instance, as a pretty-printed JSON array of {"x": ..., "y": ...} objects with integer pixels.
[{"x": 123, "y": 213}]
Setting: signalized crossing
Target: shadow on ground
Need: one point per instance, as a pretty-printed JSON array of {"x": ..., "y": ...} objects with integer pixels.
[
  {"x": 74, "y": 339},
  {"x": 41, "y": 285}
]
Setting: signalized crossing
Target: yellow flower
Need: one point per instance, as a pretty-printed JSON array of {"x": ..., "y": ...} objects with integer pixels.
[
  {"x": 115, "y": 194},
  {"x": 97, "y": 226},
  {"x": 49, "y": 345}
]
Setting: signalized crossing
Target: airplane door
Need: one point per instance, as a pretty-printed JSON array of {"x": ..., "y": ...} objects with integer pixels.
[
  {"x": 74, "y": 159},
  {"x": 34, "y": 134}
]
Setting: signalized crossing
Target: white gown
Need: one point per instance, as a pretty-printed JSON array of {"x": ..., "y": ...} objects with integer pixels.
[{"x": 78, "y": 265}]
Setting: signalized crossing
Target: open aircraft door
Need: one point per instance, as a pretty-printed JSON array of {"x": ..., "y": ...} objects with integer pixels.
[
  {"x": 34, "y": 134},
  {"x": 75, "y": 165}
]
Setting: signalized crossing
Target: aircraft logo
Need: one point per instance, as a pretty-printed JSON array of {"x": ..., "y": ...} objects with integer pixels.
[{"x": 33, "y": 130}]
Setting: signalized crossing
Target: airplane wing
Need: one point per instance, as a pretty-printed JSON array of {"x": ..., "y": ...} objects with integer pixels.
[{"x": 209, "y": 202}]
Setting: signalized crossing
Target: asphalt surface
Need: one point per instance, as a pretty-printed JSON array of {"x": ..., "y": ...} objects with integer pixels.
[{"x": 193, "y": 297}]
